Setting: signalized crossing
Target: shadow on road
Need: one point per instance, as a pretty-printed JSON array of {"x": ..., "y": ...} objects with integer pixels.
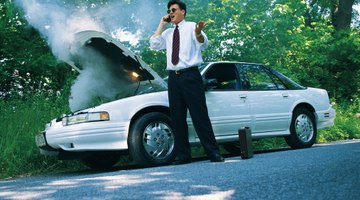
[{"x": 132, "y": 166}]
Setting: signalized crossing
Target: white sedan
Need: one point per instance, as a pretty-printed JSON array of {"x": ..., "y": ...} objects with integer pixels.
[{"x": 135, "y": 120}]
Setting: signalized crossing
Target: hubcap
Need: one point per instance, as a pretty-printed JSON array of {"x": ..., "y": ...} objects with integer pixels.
[
  {"x": 304, "y": 128},
  {"x": 158, "y": 140}
]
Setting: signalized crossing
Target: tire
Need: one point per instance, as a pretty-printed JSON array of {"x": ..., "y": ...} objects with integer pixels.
[
  {"x": 101, "y": 160},
  {"x": 151, "y": 140},
  {"x": 303, "y": 129}
]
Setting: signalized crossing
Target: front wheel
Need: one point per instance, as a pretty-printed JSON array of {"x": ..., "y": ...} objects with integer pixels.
[
  {"x": 302, "y": 129},
  {"x": 151, "y": 140}
]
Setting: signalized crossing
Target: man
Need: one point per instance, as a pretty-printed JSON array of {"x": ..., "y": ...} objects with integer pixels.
[{"x": 183, "y": 46}]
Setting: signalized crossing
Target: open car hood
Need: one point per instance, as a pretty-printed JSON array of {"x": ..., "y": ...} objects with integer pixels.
[{"x": 108, "y": 71}]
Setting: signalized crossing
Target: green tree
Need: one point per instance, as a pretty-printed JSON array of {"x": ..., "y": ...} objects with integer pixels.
[
  {"x": 26, "y": 62},
  {"x": 340, "y": 12},
  {"x": 297, "y": 37}
]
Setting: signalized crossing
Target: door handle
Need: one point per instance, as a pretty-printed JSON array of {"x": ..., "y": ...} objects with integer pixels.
[
  {"x": 243, "y": 96},
  {"x": 285, "y": 95}
]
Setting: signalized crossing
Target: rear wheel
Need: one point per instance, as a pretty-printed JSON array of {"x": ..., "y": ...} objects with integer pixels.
[
  {"x": 303, "y": 129},
  {"x": 151, "y": 140},
  {"x": 101, "y": 160}
]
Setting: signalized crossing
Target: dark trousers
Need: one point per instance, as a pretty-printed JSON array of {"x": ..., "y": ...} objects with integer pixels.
[{"x": 186, "y": 91}]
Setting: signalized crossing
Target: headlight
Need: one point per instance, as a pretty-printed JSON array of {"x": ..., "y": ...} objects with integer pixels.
[{"x": 85, "y": 117}]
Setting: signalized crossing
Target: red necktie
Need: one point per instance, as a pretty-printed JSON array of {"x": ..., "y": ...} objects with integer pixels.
[{"x": 176, "y": 47}]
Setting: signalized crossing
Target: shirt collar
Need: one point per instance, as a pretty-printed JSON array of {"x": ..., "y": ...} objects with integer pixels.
[{"x": 180, "y": 24}]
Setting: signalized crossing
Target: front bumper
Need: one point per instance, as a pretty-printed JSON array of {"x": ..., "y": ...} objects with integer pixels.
[
  {"x": 94, "y": 136},
  {"x": 45, "y": 149}
]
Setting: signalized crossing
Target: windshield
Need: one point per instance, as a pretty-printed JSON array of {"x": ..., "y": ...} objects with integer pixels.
[{"x": 202, "y": 66}]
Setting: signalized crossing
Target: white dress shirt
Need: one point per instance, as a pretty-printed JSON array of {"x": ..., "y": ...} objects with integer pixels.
[{"x": 190, "y": 48}]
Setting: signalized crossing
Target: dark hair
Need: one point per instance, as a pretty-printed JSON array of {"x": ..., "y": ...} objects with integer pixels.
[{"x": 181, "y": 4}]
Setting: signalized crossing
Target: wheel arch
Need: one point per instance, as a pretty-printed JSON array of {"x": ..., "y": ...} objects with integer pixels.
[
  {"x": 161, "y": 109},
  {"x": 306, "y": 106}
]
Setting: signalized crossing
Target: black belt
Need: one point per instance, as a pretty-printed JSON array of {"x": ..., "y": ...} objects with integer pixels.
[{"x": 180, "y": 71}]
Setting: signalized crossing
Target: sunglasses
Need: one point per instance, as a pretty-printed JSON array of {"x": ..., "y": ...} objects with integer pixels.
[{"x": 172, "y": 10}]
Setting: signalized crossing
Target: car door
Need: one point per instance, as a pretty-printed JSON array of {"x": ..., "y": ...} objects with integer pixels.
[
  {"x": 268, "y": 98},
  {"x": 228, "y": 111}
]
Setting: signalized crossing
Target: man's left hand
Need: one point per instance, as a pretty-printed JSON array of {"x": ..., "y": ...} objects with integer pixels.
[{"x": 199, "y": 27}]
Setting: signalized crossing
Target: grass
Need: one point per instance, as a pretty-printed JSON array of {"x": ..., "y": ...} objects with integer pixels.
[
  {"x": 22, "y": 120},
  {"x": 347, "y": 124}
]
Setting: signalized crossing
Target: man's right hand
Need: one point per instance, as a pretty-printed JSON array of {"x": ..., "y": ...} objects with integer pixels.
[
  {"x": 161, "y": 26},
  {"x": 164, "y": 20}
]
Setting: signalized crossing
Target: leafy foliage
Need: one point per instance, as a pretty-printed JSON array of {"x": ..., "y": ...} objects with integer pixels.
[
  {"x": 347, "y": 124},
  {"x": 24, "y": 119},
  {"x": 26, "y": 62}
]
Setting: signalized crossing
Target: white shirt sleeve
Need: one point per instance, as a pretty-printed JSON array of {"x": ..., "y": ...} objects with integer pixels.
[
  {"x": 157, "y": 42},
  {"x": 203, "y": 45}
]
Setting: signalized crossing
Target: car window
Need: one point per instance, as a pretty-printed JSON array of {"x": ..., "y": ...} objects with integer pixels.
[
  {"x": 224, "y": 76},
  {"x": 277, "y": 81},
  {"x": 256, "y": 77},
  {"x": 288, "y": 83}
]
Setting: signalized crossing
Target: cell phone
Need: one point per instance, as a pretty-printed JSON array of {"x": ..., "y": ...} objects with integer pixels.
[{"x": 168, "y": 19}]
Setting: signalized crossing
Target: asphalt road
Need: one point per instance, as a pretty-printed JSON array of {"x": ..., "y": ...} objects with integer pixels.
[{"x": 330, "y": 171}]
